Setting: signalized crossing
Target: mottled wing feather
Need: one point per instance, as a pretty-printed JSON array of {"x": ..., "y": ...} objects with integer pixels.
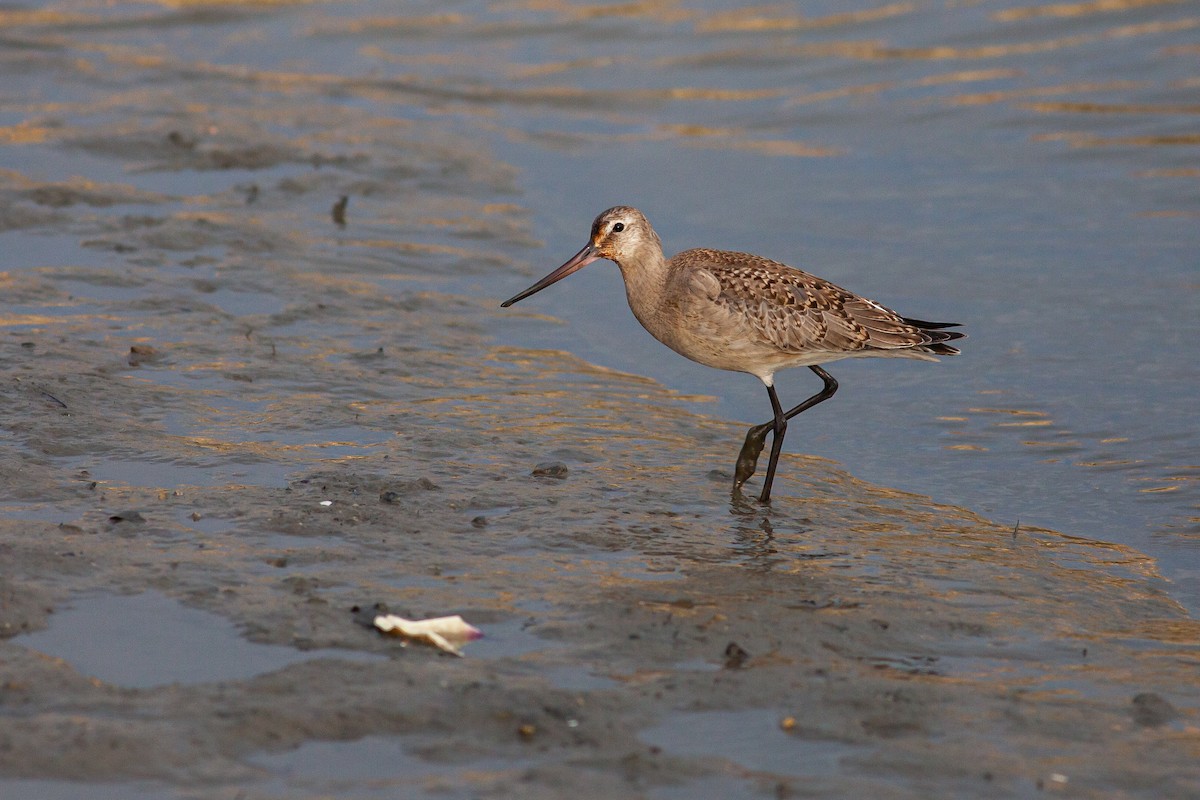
[
  {"x": 795, "y": 311},
  {"x": 884, "y": 328}
]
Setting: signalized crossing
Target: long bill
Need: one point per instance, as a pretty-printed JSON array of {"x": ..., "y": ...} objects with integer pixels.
[{"x": 578, "y": 261}]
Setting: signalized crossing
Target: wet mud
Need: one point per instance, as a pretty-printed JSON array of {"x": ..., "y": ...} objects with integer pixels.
[{"x": 868, "y": 641}]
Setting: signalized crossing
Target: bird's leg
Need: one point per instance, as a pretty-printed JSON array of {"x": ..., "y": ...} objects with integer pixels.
[
  {"x": 831, "y": 386},
  {"x": 756, "y": 437},
  {"x": 778, "y": 430}
]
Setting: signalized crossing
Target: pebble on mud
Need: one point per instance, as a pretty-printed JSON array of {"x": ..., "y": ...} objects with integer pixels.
[
  {"x": 1151, "y": 710},
  {"x": 399, "y": 490},
  {"x": 550, "y": 469},
  {"x": 735, "y": 656},
  {"x": 338, "y": 212},
  {"x": 143, "y": 354}
]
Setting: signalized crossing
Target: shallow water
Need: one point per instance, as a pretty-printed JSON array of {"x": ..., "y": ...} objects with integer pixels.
[
  {"x": 167, "y": 173},
  {"x": 148, "y": 640}
]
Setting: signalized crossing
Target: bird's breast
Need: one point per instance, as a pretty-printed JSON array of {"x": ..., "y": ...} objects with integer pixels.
[{"x": 688, "y": 319}]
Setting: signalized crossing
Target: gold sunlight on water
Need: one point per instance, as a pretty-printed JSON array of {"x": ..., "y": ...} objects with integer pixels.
[
  {"x": 23, "y": 133},
  {"x": 406, "y": 24},
  {"x": 943, "y": 52},
  {"x": 204, "y": 3},
  {"x": 734, "y": 139},
  {"x": 16, "y": 320},
  {"x": 985, "y": 98},
  {"x": 1110, "y": 108},
  {"x": 663, "y": 11},
  {"x": 746, "y": 19},
  {"x": 1077, "y": 139},
  {"x": 1016, "y": 412},
  {"x": 783, "y": 147},
  {"x": 13, "y": 18},
  {"x": 1175, "y": 172},
  {"x": 945, "y": 78},
  {"x": 1077, "y": 9},
  {"x": 1066, "y": 445},
  {"x": 703, "y": 93},
  {"x": 1173, "y": 481}
]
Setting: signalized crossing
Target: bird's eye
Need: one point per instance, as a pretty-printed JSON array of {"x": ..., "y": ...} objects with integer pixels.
[{"x": 620, "y": 226}]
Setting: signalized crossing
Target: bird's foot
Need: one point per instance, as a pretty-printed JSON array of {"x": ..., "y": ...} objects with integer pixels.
[{"x": 747, "y": 460}]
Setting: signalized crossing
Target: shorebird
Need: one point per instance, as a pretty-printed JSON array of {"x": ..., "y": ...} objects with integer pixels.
[{"x": 746, "y": 313}]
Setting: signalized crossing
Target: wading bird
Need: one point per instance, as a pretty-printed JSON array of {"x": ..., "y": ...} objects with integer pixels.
[{"x": 746, "y": 313}]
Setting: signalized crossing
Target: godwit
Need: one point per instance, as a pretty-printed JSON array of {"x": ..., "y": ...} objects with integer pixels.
[{"x": 746, "y": 313}]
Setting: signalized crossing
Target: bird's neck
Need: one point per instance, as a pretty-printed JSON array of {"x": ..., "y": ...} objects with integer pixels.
[{"x": 645, "y": 282}]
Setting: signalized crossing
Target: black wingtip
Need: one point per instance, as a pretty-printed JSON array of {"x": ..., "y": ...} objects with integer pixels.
[
  {"x": 931, "y": 326},
  {"x": 938, "y": 336}
]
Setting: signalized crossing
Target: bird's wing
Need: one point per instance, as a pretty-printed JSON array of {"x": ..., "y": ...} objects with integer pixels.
[{"x": 793, "y": 310}]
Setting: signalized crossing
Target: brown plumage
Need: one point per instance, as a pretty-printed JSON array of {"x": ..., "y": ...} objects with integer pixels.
[{"x": 742, "y": 312}]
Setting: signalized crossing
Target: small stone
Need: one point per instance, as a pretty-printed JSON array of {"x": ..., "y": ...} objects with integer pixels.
[
  {"x": 550, "y": 469},
  {"x": 142, "y": 354},
  {"x": 479, "y": 522},
  {"x": 400, "y": 490},
  {"x": 338, "y": 212},
  {"x": 179, "y": 140},
  {"x": 527, "y": 730},
  {"x": 1151, "y": 710},
  {"x": 735, "y": 656}
]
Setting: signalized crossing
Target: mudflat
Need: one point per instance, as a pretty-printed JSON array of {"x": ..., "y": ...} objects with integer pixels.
[{"x": 644, "y": 636}]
